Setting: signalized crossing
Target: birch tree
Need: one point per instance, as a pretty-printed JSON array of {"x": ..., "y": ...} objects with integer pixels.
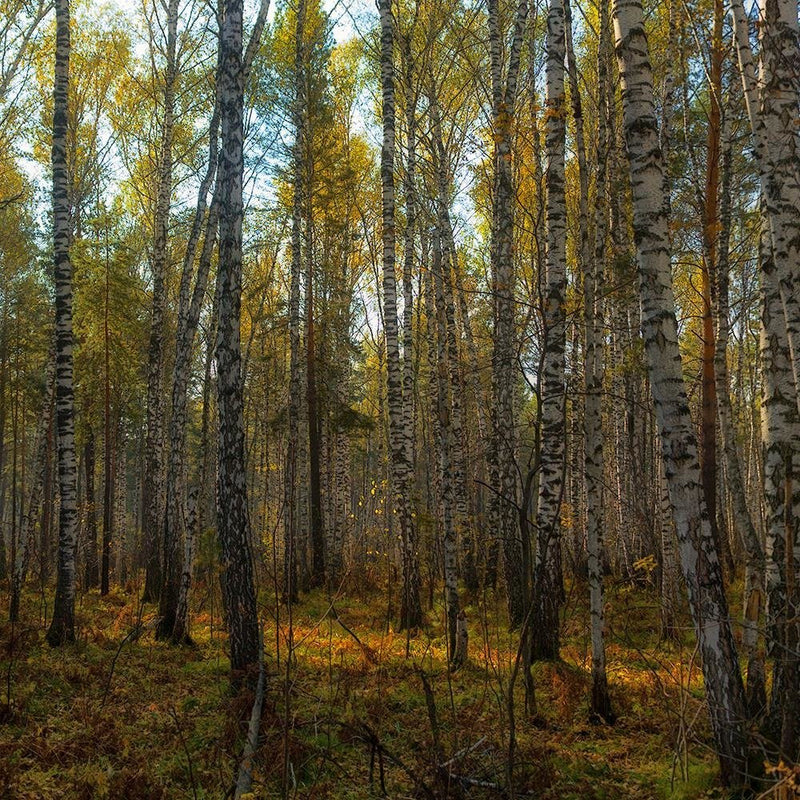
[
  {"x": 503, "y": 515},
  {"x": 154, "y": 443},
  {"x": 699, "y": 558},
  {"x": 62, "y": 625},
  {"x": 232, "y": 511},
  {"x": 593, "y": 273},
  {"x": 545, "y": 623},
  {"x": 410, "y": 610}
]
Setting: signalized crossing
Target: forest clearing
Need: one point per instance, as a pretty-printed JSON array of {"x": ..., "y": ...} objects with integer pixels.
[{"x": 400, "y": 399}]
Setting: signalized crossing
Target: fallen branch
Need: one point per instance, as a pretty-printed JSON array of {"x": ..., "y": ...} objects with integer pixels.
[
  {"x": 369, "y": 653},
  {"x": 463, "y": 752}
]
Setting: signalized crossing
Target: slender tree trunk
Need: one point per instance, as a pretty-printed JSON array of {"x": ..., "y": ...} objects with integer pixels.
[
  {"x": 3, "y": 363},
  {"x": 108, "y": 518},
  {"x": 118, "y": 503},
  {"x": 92, "y": 553},
  {"x": 446, "y": 310},
  {"x": 232, "y": 517},
  {"x": 317, "y": 577},
  {"x": 62, "y": 626},
  {"x": 593, "y": 275},
  {"x": 708, "y": 415},
  {"x": 545, "y": 622},
  {"x": 291, "y": 492},
  {"x": 30, "y": 513},
  {"x": 409, "y": 234},
  {"x": 743, "y": 521},
  {"x": 504, "y": 515},
  {"x": 445, "y": 462},
  {"x": 479, "y": 545},
  {"x": 771, "y": 102},
  {"x": 699, "y": 558},
  {"x": 772, "y": 112},
  {"x": 401, "y": 477},
  {"x": 154, "y": 445},
  {"x": 189, "y": 306}
]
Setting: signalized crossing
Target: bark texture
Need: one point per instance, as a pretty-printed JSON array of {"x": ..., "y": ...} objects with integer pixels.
[
  {"x": 152, "y": 487},
  {"x": 545, "y": 626},
  {"x": 62, "y": 626},
  {"x": 502, "y": 467},
  {"x": 232, "y": 513},
  {"x": 401, "y": 470},
  {"x": 699, "y": 558}
]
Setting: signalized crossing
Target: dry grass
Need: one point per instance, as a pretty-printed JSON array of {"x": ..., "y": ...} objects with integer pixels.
[{"x": 352, "y": 720}]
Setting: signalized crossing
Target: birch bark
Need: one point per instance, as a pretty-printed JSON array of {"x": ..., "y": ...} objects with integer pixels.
[
  {"x": 154, "y": 443},
  {"x": 410, "y": 610},
  {"x": 502, "y": 471},
  {"x": 593, "y": 267},
  {"x": 232, "y": 516},
  {"x": 62, "y": 625},
  {"x": 743, "y": 521},
  {"x": 780, "y": 424},
  {"x": 545, "y": 623},
  {"x": 699, "y": 558}
]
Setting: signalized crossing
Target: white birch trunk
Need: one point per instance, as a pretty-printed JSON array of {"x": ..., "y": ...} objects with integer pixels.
[
  {"x": 699, "y": 559},
  {"x": 502, "y": 470},
  {"x": 594, "y": 270},
  {"x": 545, "y": 624},
  {"x": 401, "y": 478},
  {"x": 152, "y": 489}
]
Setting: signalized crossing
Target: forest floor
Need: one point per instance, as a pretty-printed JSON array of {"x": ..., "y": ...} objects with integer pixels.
[{"x": 119, "y": 716}]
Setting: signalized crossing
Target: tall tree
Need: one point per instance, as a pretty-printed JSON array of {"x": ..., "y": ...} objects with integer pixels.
[
  {"x": 291, "y": 489},
  {"x": 62, "y": 626},
  {"x": 780, "y": 432},
  {"x": 502, "y": 462},
  {"x": 699, "y": 558},
  {"x": 708, "y": 414},
  {"x": 154, "y": 445},
  {"x": 232, "y": 515},
  {"x": 410, "y": 609},
  {"x": 549, "y": 590},
  {"x": 593, "y": 272}
]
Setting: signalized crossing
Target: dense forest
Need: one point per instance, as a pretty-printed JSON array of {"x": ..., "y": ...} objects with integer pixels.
[{"x": 399, "y": 400}]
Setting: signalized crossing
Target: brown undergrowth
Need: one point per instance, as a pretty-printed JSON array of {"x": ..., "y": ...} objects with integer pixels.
[{"x": 124, "y": 716}]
